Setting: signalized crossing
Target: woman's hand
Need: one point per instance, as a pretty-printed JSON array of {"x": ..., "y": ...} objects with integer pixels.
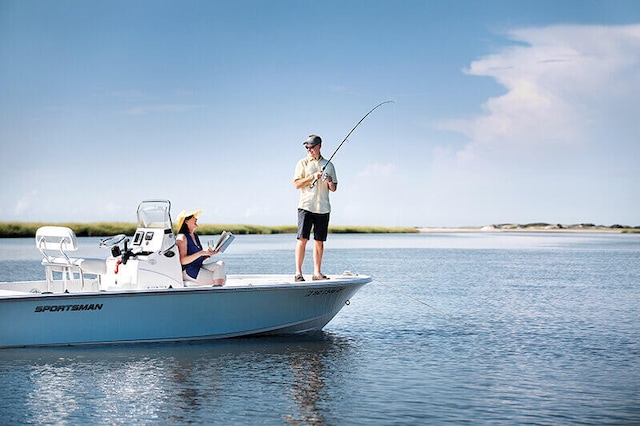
[{"x": 209, "y": 252}]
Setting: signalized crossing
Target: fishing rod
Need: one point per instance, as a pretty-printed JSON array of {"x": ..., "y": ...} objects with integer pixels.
[
  {"x": 345, "y": 139},
  {"x": 422, "y": 302}
]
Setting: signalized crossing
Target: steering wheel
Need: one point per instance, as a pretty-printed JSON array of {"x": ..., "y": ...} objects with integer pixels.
[{"x": 112, "y": 241}]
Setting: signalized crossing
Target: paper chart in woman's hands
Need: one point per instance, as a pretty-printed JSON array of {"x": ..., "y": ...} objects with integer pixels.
[{"x": 223, "y": 242}]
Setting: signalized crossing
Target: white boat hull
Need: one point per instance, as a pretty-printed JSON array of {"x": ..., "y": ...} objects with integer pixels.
[{"x": 246, "y": 305}]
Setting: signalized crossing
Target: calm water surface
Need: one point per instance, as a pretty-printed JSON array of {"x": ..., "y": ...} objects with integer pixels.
[{"x": 457, "y": 328}]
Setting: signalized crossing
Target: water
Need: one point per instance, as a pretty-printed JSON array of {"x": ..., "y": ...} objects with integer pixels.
[{"x": 458, "y": 328}]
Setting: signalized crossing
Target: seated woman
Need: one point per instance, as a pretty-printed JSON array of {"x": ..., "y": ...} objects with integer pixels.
[{"x": 192, "y": 255}]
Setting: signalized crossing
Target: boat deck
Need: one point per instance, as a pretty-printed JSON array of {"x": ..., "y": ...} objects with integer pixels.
[
  {"x": 251, "y": 280},
  {"x": 32, "y": 288}
]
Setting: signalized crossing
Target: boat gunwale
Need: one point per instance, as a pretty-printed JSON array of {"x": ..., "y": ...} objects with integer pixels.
[{"x": 337, "y": 281}]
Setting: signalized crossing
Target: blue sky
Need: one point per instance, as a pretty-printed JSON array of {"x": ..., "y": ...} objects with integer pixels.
[{"x": 505, "y": 111}]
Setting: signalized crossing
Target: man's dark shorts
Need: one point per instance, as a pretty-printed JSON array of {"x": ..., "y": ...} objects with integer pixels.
[{"x": 319, "y": 222}]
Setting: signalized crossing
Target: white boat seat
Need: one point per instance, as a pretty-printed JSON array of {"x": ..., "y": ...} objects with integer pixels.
[
  {"x": 54, "y": 242},
  {"x": 93, "y": 266},
  {"x": 57, "y": 264},
  {"x": 56, "y": 238}
]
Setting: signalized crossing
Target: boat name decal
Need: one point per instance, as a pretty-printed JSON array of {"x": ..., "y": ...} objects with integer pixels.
[
  {"x": 324, "y": 291},
  {"x": 65, "y": 308}
]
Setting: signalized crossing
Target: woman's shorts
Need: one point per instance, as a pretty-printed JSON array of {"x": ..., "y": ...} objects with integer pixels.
[{"x": 208, "y": 273}]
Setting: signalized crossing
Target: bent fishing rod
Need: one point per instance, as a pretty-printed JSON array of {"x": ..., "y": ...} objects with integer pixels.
[{"x": 346, "y": 138}]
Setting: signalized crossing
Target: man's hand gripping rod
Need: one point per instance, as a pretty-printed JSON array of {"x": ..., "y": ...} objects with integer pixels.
[{"x": 345, "y": 139}]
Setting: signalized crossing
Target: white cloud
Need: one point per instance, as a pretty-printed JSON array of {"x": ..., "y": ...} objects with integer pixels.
[
  {"x": 374, "y": 195},
  {"x": 559, "y": 81},
  {"x": 25, "y": 203},
  {"x": 564, "y": 131},
  {"x": 382, "y": 172}
]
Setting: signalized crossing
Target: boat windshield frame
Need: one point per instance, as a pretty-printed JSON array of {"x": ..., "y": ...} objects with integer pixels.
[{"x": 155, "y": 214}]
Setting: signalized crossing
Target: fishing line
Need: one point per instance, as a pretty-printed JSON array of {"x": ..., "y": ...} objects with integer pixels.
[
  {"x": 420, "y": 301},
  {"x": 347, "y": 137}
]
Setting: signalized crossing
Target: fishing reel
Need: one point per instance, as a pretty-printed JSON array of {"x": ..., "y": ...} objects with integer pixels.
[{"x": 324, "y": 177}]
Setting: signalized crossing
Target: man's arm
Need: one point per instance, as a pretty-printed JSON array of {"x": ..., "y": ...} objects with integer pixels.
[{"x": 306, "y": 181}]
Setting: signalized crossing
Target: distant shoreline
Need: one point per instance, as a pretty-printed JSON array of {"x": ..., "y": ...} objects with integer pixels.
[{"x": 106, "y": 229}]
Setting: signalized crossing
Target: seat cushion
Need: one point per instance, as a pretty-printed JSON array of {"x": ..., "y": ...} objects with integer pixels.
[{"x": 93, "y": 266}]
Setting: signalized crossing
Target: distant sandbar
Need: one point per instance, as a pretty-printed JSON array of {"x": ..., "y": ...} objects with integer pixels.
[{"x": 535, "y": 227}]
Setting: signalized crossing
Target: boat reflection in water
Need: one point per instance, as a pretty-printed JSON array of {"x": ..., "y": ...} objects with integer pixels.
[
  {"x": 167, "y": 383},
  {"x": 306, "y": 386}
]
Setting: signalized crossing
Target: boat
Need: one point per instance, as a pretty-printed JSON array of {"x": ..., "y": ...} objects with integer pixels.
[{"x": 136, "y": 294}]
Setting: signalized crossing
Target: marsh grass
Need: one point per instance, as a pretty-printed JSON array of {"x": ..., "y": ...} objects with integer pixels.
[
  {"x": 105, "y": 229},
  {"x": 95, "y": 229}
]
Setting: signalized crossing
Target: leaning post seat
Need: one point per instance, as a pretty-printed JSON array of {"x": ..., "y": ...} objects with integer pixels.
[{"x": 54, "y": 242}]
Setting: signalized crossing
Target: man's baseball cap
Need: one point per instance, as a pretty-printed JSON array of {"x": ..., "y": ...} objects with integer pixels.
[{"x": 313, "y": 140}]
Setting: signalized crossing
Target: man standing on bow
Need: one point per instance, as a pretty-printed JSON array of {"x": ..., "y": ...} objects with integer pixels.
[{"x": 314, "y": 206}]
